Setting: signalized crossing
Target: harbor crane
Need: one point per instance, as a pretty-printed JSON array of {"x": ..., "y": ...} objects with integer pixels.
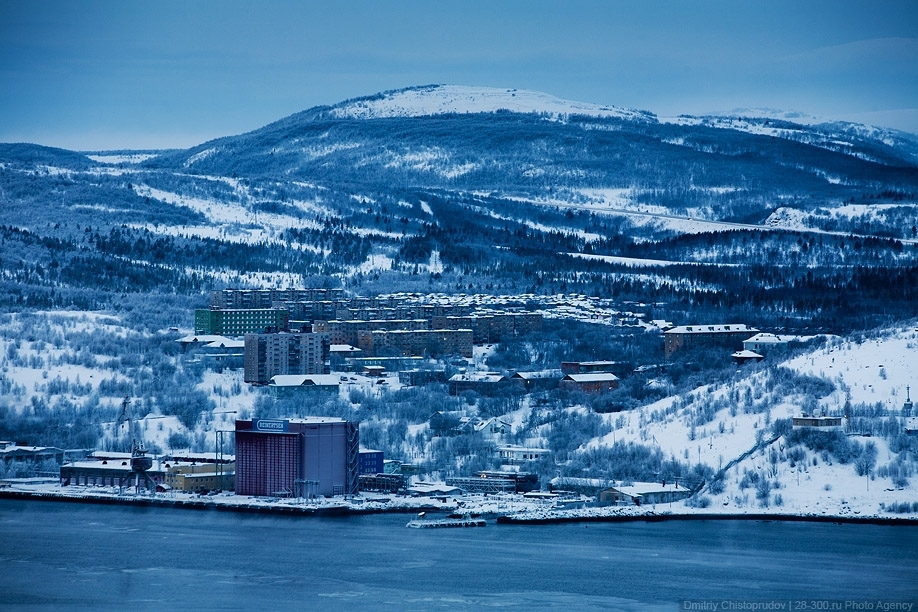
[{"x": 140, "y": 463}]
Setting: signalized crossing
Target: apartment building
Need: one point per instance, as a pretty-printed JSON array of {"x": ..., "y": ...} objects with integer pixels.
[{"x": 270, "y": 354}]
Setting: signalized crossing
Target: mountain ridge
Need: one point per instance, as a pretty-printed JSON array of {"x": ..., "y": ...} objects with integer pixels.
[{"x": 435, "y": 99}]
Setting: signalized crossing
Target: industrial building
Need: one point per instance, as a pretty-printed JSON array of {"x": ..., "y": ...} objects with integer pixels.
[
  {"x": 302, "y": 457},
  {"x": 115, "y": 470},
  {"x": 496, "y": 482},
  {"x": 178, "y": 471}
]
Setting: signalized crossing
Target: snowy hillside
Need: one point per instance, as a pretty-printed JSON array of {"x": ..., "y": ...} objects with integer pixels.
[
  {"x": 79, "y": 366},
  {"x": 732, "y": 428}
]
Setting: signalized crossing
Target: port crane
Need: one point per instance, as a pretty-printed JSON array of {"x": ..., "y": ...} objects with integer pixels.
[{"x": 140, "y": 463}]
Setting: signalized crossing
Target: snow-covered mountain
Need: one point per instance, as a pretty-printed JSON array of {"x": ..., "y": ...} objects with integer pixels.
[
  {"x": 458, "y": 99},
  {"x": 433, "y": 100}
]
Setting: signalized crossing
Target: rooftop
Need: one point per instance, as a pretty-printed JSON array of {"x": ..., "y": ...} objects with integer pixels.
[
  {"x": 712, "y": 329},
  {"x": 592, "y": 377},
  {"x": 301, "y": 380},
  {"x": 642, "y": 488}
]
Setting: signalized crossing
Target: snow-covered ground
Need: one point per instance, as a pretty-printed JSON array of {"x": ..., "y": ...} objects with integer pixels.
[
  {"x": 229, "y": 220},
  {"x": 122, "y": 158},
  {"x": 440, "y": 99},
  {"x": 34, "y": 353},
  {"x": 868, "y": 371},
  {"x": 878, "y": 215}
]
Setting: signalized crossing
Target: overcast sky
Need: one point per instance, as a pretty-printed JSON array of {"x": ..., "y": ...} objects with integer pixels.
[{"x": 93, "y": 75}]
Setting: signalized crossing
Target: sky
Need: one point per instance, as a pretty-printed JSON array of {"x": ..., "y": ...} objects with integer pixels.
[{"x": 105, "y": 75}]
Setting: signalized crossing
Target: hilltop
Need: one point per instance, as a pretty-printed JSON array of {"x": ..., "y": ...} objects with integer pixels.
[{"x": 453, "y": 99}]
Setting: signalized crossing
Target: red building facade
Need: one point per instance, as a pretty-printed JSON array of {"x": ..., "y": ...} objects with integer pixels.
[{"x": 297, "y": 457}]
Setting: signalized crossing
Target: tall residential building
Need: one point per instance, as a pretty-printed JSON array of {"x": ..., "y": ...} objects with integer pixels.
[{"x": 267, "y": 355}]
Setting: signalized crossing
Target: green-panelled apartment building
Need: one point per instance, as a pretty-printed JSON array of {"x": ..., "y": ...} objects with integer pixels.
[{"x": 240, "y": 321}]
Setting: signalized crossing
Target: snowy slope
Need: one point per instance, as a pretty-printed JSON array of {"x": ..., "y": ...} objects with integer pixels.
[{"x": 866, "y": 371}]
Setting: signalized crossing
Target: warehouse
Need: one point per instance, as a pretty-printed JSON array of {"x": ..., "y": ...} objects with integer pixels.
[{"x": 302, "y": 457}]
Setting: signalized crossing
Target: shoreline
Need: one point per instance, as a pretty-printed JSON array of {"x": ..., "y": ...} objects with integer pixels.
[
  {"x": 209, "y": 504},
  {"x": 344, "y": 510},
  {"x": 713, "y": 516}
]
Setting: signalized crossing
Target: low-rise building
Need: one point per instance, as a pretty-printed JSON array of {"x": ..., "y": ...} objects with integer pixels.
[
  {"x": 765, "y": 343},
  {"x": 286, "y": 385},
  {"x": 200, "y": 477},
  {"x": 491, "y": 426},
  {"x": 687, "y": 336},
  {"x": 581, "y": 486},
  {"x": 746, "y": 356},
  {"x": 818, "y": 422},
  {"x": 543, "y": 380},
  {"x": 599, "y": 382},
  {"x": 643, "y": 493},
  {"x": 416, "y": 377},
  {"x": 483, "y": 383},
  {"x": 388, "y": 364},
  {"x": 619, "y": 368},
  {"x": 14, "y": 453},
  {"x": 518, "y": 455}
]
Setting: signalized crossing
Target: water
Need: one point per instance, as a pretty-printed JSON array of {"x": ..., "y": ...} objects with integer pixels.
[{"x": 84, "y": 557}]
